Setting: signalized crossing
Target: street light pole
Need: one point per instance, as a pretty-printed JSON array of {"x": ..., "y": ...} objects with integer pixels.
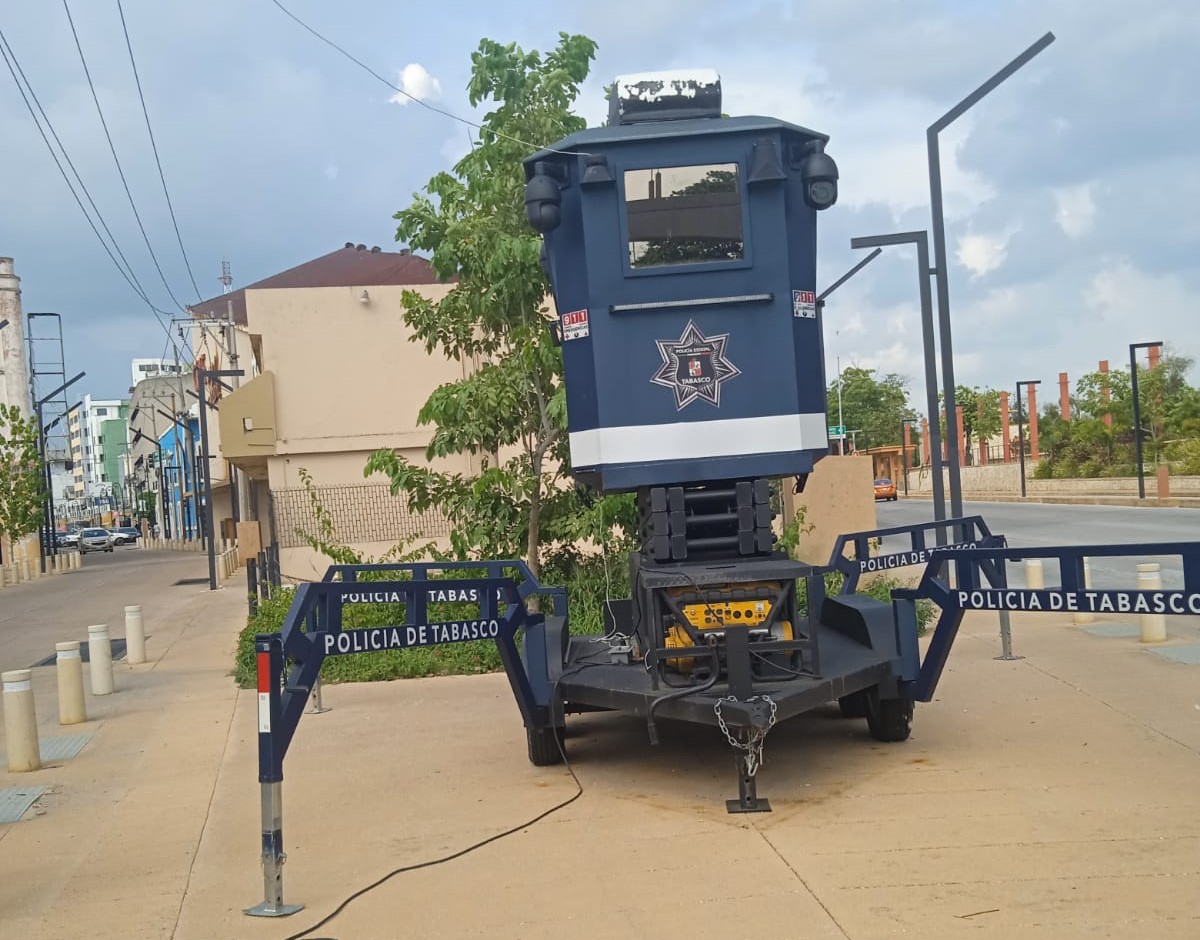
[
  {"x": 820, "y": 323},
  {"x": 1137, "y": 413},
  {"x": 921, "y": 241},
  {"x": 905, "y": 424},
  {"x": 49, "y": 542},
  {"x": 939, "y": 252},
  {"x": 205, "y": 376},
  {"x": 1020, "y": 431}
]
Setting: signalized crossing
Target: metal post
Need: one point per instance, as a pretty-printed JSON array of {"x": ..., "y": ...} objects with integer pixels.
[
  {"x": 252, "y": 585},
  {"x": 921, "y": 240},
  {"x": 939, "y": 252},
  {"x": 205, "y": 376},
  {"x": 1020, "y": 440},
  {"x": 208, "y": 526},
  {"x": 1137, "y": 414},
  {"x": 269, "y": 653}
]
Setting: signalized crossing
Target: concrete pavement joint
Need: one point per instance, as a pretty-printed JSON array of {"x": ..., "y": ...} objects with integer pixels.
[
  {"x": 800, "y": 878},
  {"x": 1112, "y": 707},
  {"x": 212, "y": 794},
  {"x": 992, "y": 882}
]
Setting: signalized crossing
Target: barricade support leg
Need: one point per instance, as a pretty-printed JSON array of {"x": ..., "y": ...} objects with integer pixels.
[{"x": 273, "y": 856}]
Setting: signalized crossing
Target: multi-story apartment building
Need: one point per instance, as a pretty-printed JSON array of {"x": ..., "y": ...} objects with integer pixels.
[{"x": 98, "y": 441}]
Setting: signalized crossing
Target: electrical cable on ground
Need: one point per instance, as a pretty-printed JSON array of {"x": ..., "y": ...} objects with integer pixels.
[
  {"x": 448, "y": 858},
  {"x": 154, "y": 146},
  {"x": 424, "y": 104}
]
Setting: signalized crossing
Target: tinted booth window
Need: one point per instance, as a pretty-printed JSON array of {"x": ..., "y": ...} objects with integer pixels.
[{"x": 684, "y": 215}]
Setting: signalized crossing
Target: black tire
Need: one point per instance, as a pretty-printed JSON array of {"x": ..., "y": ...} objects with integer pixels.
[
  {"x": 889, "y": 719},
  {"x": 545, "y": 746},
  {"x": 854, "y": 705}
]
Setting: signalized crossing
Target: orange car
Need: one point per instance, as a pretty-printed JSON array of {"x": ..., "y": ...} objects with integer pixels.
[{"x": 885, "y": 489}]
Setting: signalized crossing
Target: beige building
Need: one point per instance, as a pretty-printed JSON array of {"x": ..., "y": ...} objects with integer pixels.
[{"x": 331, "y": 376}]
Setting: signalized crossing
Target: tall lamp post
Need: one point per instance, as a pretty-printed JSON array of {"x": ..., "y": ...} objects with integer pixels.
[
  {"x": 820, "y": 307},
  {"x": 906, "y": 423},
  {"x": 921, "y": 241},
  {"x": 939, "y": 251},
  {"x": 162, "y": 487},
  {"x": 1137, "y": 413},
  {"x": 1020, "y": 430},
  {"x": 49, "y": 542},
  {"x": 205, "y": 376}
]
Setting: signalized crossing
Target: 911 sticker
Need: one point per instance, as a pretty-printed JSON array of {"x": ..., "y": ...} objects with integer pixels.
[
  {"x": 574, "y": 324},
  {"x": 804, "y": 304}
]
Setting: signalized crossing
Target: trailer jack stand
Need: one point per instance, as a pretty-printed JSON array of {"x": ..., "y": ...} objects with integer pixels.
[{"x": 748, "y": 800}]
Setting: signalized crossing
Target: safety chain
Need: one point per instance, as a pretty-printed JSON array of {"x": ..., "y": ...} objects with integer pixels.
[{"x": 754, "y": 746}]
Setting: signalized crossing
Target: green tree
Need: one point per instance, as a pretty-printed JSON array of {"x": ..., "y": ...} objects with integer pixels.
[
  {"x": 876, "y": 406},
  {"x": 1088, "y": 445},
  {"x": 981, "y": 415},
  {"x": 22, "y": 478},
  {"x": 510, "y": 411}
]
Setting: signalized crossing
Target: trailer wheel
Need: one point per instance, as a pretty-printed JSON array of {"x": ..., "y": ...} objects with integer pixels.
[
  {"x": 854, "y": 705},
  {"x": 545, "y": 746},
  {"x": 889, "y": 719}
]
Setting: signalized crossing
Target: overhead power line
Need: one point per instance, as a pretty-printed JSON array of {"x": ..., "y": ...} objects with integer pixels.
[
  {"x": 14, "y": 68},
  {"x": 30, "y": 98},
  {"x": 396, "y": 88},
  {"x": 113, "y": 150},
  {"x": 154, "y": 146}
]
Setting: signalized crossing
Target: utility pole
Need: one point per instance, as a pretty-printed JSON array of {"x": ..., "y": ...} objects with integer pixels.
[
  {"x": 239, "y": 496},
  {"x": 206, "y": 376}
]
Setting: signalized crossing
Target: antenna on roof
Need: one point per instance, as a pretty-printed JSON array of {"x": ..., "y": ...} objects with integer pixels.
[{"x": 226, "y": 278}]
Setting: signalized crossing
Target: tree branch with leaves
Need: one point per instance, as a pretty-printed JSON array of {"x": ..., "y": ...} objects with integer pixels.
[
  {"x": 509, "y": 412},
  {"x": 22, "y": 475}
]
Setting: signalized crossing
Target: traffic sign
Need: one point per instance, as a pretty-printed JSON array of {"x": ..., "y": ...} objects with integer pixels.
[{"x": 837, "y": 431}]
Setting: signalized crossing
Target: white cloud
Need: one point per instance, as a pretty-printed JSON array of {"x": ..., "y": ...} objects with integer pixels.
[
  {"x": 330, "y": 172},
  {"x": 416, "y": 83},
  {"x": 982, "y": 253},
  {"x": 1076, "y": 209}
]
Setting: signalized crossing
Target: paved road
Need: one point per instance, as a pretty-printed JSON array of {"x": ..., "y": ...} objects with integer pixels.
[
  {"x": 1043, "y": 524},
  {"x": 36, "y": 615}
]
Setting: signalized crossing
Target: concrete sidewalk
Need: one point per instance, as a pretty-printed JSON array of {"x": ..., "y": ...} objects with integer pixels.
[{"x": 1051, "y": 797}]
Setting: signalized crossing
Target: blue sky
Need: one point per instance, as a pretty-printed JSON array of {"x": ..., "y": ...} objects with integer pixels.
[{"x": 1071, "y": 192}]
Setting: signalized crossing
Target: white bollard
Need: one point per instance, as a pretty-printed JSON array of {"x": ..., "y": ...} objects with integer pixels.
[
  {"x": 20, "y": 722},
  {"x": 26, "y": 573},
  {"x": 1154, "y": 626},
  {"x": 100, "y": 658},
  {"x": 1085, "y": 616},
  {"x": 71, "y": 709},
  {"x": 1035, "y": 579},
  {"x": 135, "y": 635}
]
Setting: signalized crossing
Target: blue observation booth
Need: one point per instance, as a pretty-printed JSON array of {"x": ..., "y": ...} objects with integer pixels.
[{"x": 681, "y": 249}]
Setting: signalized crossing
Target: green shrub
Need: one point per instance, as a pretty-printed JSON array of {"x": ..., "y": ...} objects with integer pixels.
[{"x": 1185, "y": 455}]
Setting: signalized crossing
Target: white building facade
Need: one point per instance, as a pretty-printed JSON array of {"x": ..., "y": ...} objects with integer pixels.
[
  {"x": 92, "y": 491},
  {"x": 142, "y": 369}
]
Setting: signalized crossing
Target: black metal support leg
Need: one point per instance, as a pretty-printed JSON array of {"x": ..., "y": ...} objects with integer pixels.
[{"x": 748, "y": 800}]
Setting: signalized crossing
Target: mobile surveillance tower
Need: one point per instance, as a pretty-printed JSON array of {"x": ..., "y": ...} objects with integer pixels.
[{"x": 681, "y": 250}]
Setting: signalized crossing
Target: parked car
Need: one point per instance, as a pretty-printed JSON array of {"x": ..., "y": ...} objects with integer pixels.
[
  {"x": 126, "y": 535},
  {"x": 95, "y": 540},
  {"x": 68, "y": 538},
  {"x": 885, "y": 489}
]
